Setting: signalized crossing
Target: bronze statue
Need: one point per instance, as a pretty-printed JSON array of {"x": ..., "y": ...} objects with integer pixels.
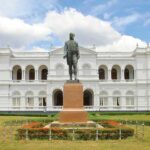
[{"x": 71, "y": 53}]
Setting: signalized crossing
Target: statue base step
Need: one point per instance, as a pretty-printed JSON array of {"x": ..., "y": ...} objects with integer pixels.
[{"x": 73, "y": 125}]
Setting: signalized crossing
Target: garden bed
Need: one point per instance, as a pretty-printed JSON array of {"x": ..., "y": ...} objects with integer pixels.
[{"x": 111, "y": 130}]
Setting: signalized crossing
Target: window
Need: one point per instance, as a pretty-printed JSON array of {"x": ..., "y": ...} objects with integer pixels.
[
  {"x": 30, "y": 102},
  {"x": 44, "y": 74},
  {"x": 19, "y": 74},
  {"x": 103, "y": 101},
  {"x": 129, "y": 72},
  {"x": 31, "y": 74},
  {"x": 16, "y": 73},
  {"x": 130, "y": 100},
  {"x": 114, "y": 74},
  {"x": 116, "y": 101},
  {"x": 88, "y": 97},
  {"x": 127, "y": 76},
  {"x": 16, "y": 102},
  {"x": 42, "y": 101},
  {"x": 101, "y": 74},
  {"x": 57, "y": 97}
]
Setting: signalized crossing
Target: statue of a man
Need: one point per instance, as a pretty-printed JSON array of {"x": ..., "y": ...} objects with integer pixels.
[{"x": 71, "y": 52}]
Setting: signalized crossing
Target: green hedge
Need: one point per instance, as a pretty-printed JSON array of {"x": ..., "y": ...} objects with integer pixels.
[
  {"x": 79, "y": 134},
  {"x": 41, "y": 133},
  {"x": 105, "y": 133},
  {"x": 120, "y": 113}
]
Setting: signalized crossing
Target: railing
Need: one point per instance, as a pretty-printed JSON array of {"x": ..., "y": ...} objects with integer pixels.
[
  {"x": 86, "y": 108},
  {"x": 9, "y": 131},
  {"x": 81, "y": 76}
]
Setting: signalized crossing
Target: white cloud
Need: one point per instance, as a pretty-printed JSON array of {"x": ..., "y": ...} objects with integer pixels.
[
  {"x": 125, "y": 43},
  {"x": 88, "y": 29},
  {"x": 17, "y": 33}
]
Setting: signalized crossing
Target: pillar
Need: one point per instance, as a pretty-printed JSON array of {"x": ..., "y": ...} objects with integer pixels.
[
  {"x": 36, "y": 74},
  {"x": 23, "y": 74},
  {"x": 122, "y": 75},
  {"x": 110, "y": 103},
  {"x": 109, "y": 75}
]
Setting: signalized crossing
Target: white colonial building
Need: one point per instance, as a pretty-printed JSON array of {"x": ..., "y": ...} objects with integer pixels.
[{"x": 112, "y": 81}]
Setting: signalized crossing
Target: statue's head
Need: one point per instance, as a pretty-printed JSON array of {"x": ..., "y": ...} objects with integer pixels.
[{"x": 71, "y": 36}]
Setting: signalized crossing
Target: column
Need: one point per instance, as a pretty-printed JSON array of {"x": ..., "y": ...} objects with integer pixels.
[
  {"x": 109, "y": 75},
  {"x": 123, "y": 103},
  {"x": 122, "y": 74},
  {"x": 36, "y": 74},
  {"x": 23, "y": 74},
  {"x": 110, "y": 103},
  {"x": 96, "y": 101},
  {"x": 49, "y": 102},
  {"x": 36, "y": 102},
  {"x": 23, "y": 103}
]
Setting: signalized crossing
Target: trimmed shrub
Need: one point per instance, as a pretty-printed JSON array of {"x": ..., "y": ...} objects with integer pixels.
[
  {"x": 33, "y": 125},
  {"x": 42, "y": 133},
  {"x": 33, "y": 133},
  {"x": 114, "y": 133},
  {"x": 109, "y": 123},
  {"x": 85, "y": 134},
  {"x": 59, "y": 134},
  {"x": 35, "y": 130}
]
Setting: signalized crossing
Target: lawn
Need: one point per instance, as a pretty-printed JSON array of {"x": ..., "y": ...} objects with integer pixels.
[
  {"x": 128, "y": 144},
  {"x": 125, "y": 117}
]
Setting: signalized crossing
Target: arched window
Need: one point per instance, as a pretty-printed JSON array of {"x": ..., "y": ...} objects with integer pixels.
[
  {"x": 31, "y": 74},
  {"x": 19, "y": 74},
  {"x": 130, "y": 99},
  {"x": 88, "y": 97},
  {"x": 29, "y": 100},
  {"x": 16, "y": 73},
  {"x": 101, "y": 74},
  {"x": 116, "y": 72},
  {"x": 43, "y": 72},
  {"x": 16, "y": 100},
  {"x": 57, "y": 97},
  {"x": 116, "y": 99},
  {"x": 42, "y": 99},
  {"x": 129, "y": 72},
  {"x": 127, "y": 76},
  {"x": 103, "y": 98}
]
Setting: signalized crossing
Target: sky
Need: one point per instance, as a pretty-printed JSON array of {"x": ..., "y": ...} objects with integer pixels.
[{"x": 40, "y": 25}]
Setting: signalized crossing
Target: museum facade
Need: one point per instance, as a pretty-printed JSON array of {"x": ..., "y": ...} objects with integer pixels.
[{"x": 112, "y": 81}]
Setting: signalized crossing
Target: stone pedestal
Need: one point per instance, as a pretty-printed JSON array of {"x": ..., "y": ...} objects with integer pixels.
[{"x": 73, "y": 111}]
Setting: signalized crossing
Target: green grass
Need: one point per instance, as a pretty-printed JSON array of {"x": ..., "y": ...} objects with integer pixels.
[
  {"x": 131, "y": 143},
  {"x": 135, "y": 117}
]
